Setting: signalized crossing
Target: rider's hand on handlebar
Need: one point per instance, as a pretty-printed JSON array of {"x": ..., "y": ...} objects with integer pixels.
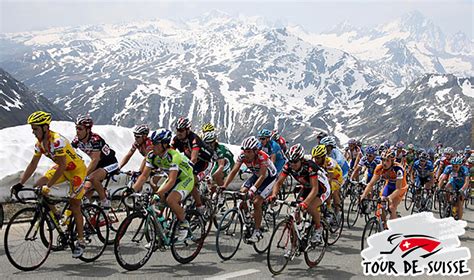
[
  {"x": 16, "y": 188},
  {"x": 303, "y": 205},
  {"x": 271, "y": 198}
]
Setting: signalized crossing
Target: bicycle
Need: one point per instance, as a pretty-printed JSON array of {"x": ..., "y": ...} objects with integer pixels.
[
  {"x": 448, "y": 200},
  {"x": 147, "y": 230},
  {"x": 36, "y": 224},
  {"x": 423, "y": 200},
  {"x": 409, "y": 196},
  {"x": 377, "y": 223},
  {"x": 1, "y": 216},
  {"x": 335, "y": 221},
  {"x": 292, "y": 236},
  {"x": 237, "y": 224},
  {"x": 355, "y": 207}
]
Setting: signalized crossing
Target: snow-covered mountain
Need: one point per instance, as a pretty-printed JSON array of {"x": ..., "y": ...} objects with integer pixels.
[
  {"x": 17, "y": 102},
  {"x": 242, "y": 74}
]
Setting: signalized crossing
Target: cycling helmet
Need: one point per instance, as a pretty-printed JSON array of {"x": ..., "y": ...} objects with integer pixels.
[
  {"x": 424, "y": 156},
  {"x": 183, "y": 123},
  {"x": 467, "y": 149},
  {"x": 456, "y": 160},
  {"x": 142, "y": 129},
  {"x": 386, "y": 144},
  {"x": 449, "y": 150},
  {"x": 359, "y": 143},
  {"x": 296, "y": 152},
  {"x": 319, "y": 151},
  {"x": 411, "y": 147},
  {"x": 421, "y": 151},
  {"x": 161, "y": 136},
  {"x": 39, "y": 118},
  {"x": 275, "y": 135},
  {"x": 431, "y": 152},
  {"x": 85, "y": 120},
  {"x": 321, "y": 135},
  {"x": 370, "y": 150},
  {"x": 250, "y": 143},
  {"x": 264, "y": 133},
  {"x": 208, "y": 127},
  {"x": 388, "y": 154},
  {"x": 328, "y": 141},
  {"x": 400, "y": 144},
  {"x": 352, "y": 141},
  {"x": 209, "y": 137}
]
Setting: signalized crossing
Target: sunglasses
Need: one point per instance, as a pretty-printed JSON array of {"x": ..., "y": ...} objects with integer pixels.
[
  {"x": 294, "y": 161},
  {"x": 181, "y": 130},
  {"x": 262, "y": 138},
  {"x": 137, "y": 135},
  {"x": 80, "y": 128}
]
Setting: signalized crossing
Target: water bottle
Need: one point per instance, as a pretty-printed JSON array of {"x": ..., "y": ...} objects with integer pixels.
[{"x": 65, "y": 218}]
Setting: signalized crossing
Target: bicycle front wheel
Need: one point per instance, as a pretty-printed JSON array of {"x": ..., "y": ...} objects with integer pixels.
[
  {"x": 187, "y": 250},
  {"x": 135, "y": 241},
  {"x": 268, "y": 224},
  {"x": 96, "y": 232},
  {"x": 315, "y": 251},
  {"x": 23, "y": 246},
  {"x": 282, "y": 247},
  {"x": 229, "y": 234},
  {"x": 372, "y": 227}
]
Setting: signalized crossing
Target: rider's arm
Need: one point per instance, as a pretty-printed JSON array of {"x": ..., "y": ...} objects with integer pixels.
[
  {"x": 172, "y": 176},
  {"x": 142, "y": 179},
  {"x": 313, "y": 181},
  {"x": 95, "y": 158},
  {"x": 232, "y": 174},
  {"x": 142, "y": 165},
  {"x": 278, "y": 184},
  {"x": 273, "y": 157},
  {"x": 220, "y": 165},
  {"x": 126, "y": 158},
  {"x": 398, "y": 189},
  {"x": 370, "y": 185},
  {"x": 61, "y": 162},
  {"x": 194, "y": 155},
  {"x": 30, "y": 169},
  {"x": 355, "y": 173}
]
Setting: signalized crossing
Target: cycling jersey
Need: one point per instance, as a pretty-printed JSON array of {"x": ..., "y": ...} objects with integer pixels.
[
  {"x": 192, "y": 142},
  {"x": 261, "y": 160},
  {"x": 271, "y": 148},
  {"x": 335, "y": 172},
  {"x": 400, "y": 155},
  {"x": 224, "y": 153},
  {"x": 423, "y": 171},
  {"x": 95, "y": 143},
  {"x": 353, "y": 154},
  {"x": 337, "y": 155},
  {"x": 173, "y": 160},
  {"x": 391, "y": 175},
  {"x": 370, "y": 165},
  {"x": 411, "y": 157},
  {"x": 309, "y": 169},
  {"x": 456, "y": 179},
  {"x": 282, "y": 142},
  {"x": 76, "y": 171},
  {"x": 144, "y": 148}
]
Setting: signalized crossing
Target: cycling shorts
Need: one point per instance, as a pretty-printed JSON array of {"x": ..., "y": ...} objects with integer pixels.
[
  {"x": 183, "y": 187},
  {"x": 265, "y": 189},
  {"x": 75, "y": 178}
]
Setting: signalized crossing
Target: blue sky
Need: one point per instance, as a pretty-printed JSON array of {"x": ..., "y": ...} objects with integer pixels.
[{"x": 315, "y": 16}]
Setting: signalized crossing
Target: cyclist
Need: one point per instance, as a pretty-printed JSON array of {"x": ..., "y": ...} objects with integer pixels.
[
  {"x": 103, "y": 161},
  {"x": 142, "y": 144},
  {"x": 225, "y": 158},
  {"x": 336, "y": 154},
  {"x": 334, "y": 172},
  {"x": 395, "y": 181},
  {"x": 369, "y": 161},
  {"x": 353, "y": 154},
  {"x": 180, "y": 181},
  {"x": 208, "y": 127},
  {"x": 197, "y": 152},
  {"x": 260, "y": 184},
  {"x": 458, "y": 180},
  {"x": 423, "y": 169},
  {"x": 320, "y": 136},
  {"x": 316, "y": 188},
  {"x": 280, "y": 140},
  {"x": 400, "y": 154},
  {"x": 272, "y": 149},
  {"x": 411, "y": 156},
  {"x": 69, "y": 167},
  {"x": 444, "y": 161}
]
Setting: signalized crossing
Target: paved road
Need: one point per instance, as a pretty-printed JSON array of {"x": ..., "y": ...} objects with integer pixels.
[{"x": 341, "y": 261}]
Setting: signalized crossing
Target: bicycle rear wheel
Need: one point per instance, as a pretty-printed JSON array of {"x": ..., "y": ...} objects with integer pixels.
[
  {"x": 282, "y": 247},
  {"x": 1, "y": 216},
  {"x": 229, "y": 234},
  {"x": 352, "y": 213},
  {"x": 187, "y": 250},
  {"x": 135, "y": 241},
  {"x": 409, "y": 197},
  {"x": 23, "y": 245},
  {"x": 335, "y": 224},
  {"x": 118, "y": 212}
]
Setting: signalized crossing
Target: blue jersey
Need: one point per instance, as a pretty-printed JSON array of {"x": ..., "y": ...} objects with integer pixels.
[
  {"x": 271, "y": 148},
  {"x": 337, "y": 155},
  {"x": 423, "y": 171},
  {"x": 456, "y": 179},
  {"x": 370, "y": 164}
]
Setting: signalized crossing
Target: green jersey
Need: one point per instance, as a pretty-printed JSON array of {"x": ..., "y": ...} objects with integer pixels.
[
  {"x": 224, "y": 153},
  {"x": 171, "y": 160}
]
